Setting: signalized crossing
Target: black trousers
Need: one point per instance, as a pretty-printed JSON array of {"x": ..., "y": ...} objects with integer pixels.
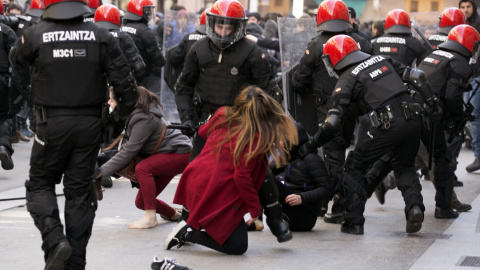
[
  {"x": 67, "y": 147},
  {"x": 300, "y": 218},
  {"x": 402, "y": 138},
  {"x": 236, "y": 244},
  {"x": 5, "y": 122},
  {"x": 443, "y": 173}
]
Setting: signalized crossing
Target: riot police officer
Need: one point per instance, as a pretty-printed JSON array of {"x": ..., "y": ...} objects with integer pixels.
[
  {"x": 176, "y": 55},
  {"x": 93, "y": 5},
  {"x": 30, "y": 17},
  {"x": 449, "y": 71},
  {"x": 65, "y": 50},
  {"x": 398, "y": 42},
  {"x": 450, "y": 18},
  {"x": 332, "y": 18},
  {"x": 141, "y": 13},
  {"x": 376, "y": 85},
  {"x": 217, "y": 67},
  {"x": 8, "y": 38},
  {"x": 108, "y": 16}
]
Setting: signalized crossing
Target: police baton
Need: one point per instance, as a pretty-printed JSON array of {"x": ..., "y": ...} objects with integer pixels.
[
  {"x": 179, "y": 126},
  {"x": 424, "y": 39}
]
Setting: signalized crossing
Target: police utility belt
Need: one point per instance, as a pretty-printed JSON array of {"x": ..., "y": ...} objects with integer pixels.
[
  {"x": 42, "y": 113},
  {"x": 386, "y": 115}
]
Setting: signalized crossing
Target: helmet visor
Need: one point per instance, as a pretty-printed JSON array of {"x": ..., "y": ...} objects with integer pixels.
[
  {"x": 475, "y": 53},
  {"x": 224, "y": 32},
  {"x": 149, "y": 14}
]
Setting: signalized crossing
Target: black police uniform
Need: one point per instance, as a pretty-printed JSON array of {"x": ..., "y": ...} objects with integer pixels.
[
  {"x": 219, "y": 75},
  {"x": 131, "y": 52},
  {"x": 448, "y": 72},
  {"x": 63, "y": 54},
  {"x": 176, "y": 57},
  {"x": 402, "y": 47},
  {"x": 376, "y": 85},
  {"x": 312, "y": 73},
  {"x": 8, "y": 39},
  {"x": 146, "y": 42},
  {"x": 437, "y": 39}
]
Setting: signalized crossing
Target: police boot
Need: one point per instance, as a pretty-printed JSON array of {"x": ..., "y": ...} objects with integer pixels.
[
  {"x": 338, "y": 208},
  {"x": 5, "y": 158},
  {"x": 445, "y": 213},
  {"x": 459, "y": 206},
  {"x": 58, "y": 256},
  {"x": 414, "y": 219},
  {"x": 268, "y": 195}
]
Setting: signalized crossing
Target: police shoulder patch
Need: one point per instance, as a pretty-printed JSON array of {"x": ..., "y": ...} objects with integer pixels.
[
  {"x": 307, "y": 52},
  {"x": 263, "y": 56},
  {"x": 338, "y": 89}
]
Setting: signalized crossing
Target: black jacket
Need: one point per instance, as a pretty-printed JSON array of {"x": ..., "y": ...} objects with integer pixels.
[{"x": 309, "y": 178}]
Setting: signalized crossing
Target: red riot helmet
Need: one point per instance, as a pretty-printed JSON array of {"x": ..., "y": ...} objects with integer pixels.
[
  {"x": 36, "y": 8},
  {"x": 398, "y": 22},
  {"x": 65, "y": 9},
  {"x": 202, "y": 26},
  {"x": 341, "y": 51},
  {"x": 228, "y": 18},
  {"x": 2, "y": 10},
  {"x": 108, "y": 16},
  {"x": 94, "y": 4},
  {"x": 140, "y": 9},
  {"x": 333, "y": 16},
  {"x": 450, "y": 18},
  {"x": 464, "y": 40}
]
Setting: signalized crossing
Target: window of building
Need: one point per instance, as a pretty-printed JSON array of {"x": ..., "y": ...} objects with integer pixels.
[
  {"x": 413, "y": 6},
  {"x": 278, "y": 3},
  {"x": 434, "y": 6}
]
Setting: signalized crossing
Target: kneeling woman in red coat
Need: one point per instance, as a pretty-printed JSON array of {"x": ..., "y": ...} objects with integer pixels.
[{"x": 221, "y": 185}]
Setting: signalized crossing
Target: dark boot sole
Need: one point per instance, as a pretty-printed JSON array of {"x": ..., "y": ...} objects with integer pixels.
[
  {"x": 414, "y": 224},
  {"x": 352, "y": 230},
  {"x": 57, "y": 260},
  {"x": 285, "y": 237},
  {"x": 7, "y": 162}
]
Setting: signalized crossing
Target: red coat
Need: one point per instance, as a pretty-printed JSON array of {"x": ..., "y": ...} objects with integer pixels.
[{"x": 216, "y": 193}]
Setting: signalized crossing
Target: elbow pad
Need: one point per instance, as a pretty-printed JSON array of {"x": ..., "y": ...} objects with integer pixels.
[
  {"x": 327, "y": 131},
  {"x": 139, "y": 70},
  {"x": 126, "y": 94},
  {"x": 414, "y": 76}
]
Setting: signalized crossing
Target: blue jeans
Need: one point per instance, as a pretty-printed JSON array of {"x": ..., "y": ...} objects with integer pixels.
[{"x": 474, "y": 127}]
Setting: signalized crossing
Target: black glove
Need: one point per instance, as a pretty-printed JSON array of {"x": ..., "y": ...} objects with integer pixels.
[
  {"x": 434, "y": 109},
  {"x": 306, "y": 148},
  {"x": 193, "y": 127}
]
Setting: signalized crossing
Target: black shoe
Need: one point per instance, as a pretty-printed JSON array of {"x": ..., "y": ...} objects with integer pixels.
[
  {"x": 414, "y": 219},
  {"x": 380, "y": 192},
  {"x": 167, "y": 263},
  {"x": 352, "y": 228},
  {"x": 335, "y": 218},
  {"x": 177, "y": 237},
  {"x": 324, "y": 208},
  {"x": 460, "y": 207},
  {"x": 5, "y": 158},
  {"x": 458, "y": 183},
  {"x": 445, "y": 213},
  {"x": 106, "y": 181},
  {"x": 425, "y": 173},
  {"x": 280, "y": 228},
  {"x": 58, "y": 256}
]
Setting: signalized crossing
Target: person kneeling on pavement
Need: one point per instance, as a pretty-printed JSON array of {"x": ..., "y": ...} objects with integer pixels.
[
  {"x": 145, "y": 126},
  {"x": 222, "y": 184},
  {"x": 303, "y": 186}
]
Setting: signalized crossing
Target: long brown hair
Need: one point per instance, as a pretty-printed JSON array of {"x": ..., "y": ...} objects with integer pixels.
[
  {"x": 146, "y": 97},
  {"x": 255, "y": 112}
]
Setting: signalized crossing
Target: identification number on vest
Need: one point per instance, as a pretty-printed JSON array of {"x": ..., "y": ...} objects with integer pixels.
[{"x": 66, "y": 53}]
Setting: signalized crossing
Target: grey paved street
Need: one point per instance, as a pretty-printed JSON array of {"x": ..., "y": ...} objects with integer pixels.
[{"x": 441, "y": 244}]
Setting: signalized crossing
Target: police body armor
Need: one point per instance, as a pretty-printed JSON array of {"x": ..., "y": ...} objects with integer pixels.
[
  {"x": 436, "y": 65},
  {"x": 437, "y": 39},
  {"x": 136, "y": 30},
  {"x": 399, "y": 47},
  {"x": 219, "y": 84},
  {"x": 24, "y": 21},
  {"x": 378, "y": 76},
  {"x": 65, "y": 61}
]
